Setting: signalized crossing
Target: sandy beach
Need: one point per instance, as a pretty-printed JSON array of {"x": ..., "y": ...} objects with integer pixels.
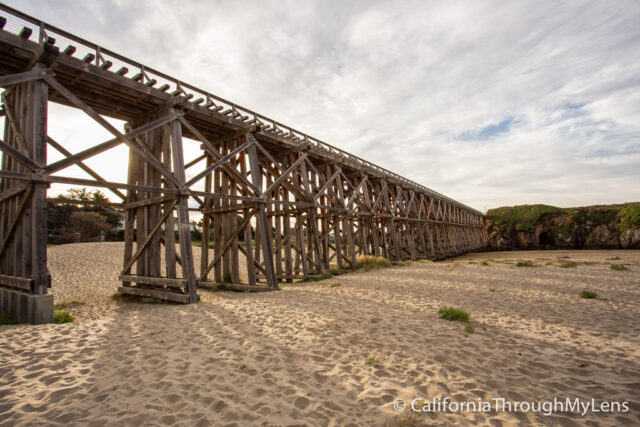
[{"x": 319, "y": 353}]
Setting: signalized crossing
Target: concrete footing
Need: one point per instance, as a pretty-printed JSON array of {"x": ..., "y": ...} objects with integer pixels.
[{"x": 23, "y": 307}]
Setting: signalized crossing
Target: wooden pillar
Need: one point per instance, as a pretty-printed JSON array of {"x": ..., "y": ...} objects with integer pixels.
[
  {"x": 184, "y": 228},
  {"x": 23, "y": 237},
  {"x": 24, "y": 277},
  {"x": 262, "y": 219},
  {"x": 37, "y": 136},
  {"x": 169, "y": 227},
  {"x": 206, "y": 225}
]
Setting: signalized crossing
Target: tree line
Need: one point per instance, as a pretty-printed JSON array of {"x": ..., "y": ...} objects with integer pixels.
[{"x": 81, "y": 216}]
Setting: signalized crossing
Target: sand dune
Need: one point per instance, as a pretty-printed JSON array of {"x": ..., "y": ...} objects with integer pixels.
[{"x": 300, "y": 356}]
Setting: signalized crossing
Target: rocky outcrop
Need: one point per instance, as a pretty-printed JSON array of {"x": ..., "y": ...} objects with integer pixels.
[{"x": 548, "y": 227}]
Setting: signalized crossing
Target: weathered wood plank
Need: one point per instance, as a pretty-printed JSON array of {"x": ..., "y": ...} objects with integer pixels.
[
  {"x": 184, "y": 228},
  {"x": 27, "y": 76},
  {"x": 157, "y": 281},
  {"x": 151, "y": 293},
  {"x": 17, "y": 282}
]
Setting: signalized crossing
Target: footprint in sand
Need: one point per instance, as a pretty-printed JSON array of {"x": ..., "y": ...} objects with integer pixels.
[{"x": 301, "y": 403}]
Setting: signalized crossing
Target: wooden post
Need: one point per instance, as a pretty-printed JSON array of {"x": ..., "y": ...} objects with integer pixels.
[
  {"x": 24, "y": 277},
  {"x": 256, "y": 180},
  {"x": 169, "y": 226},
  {"x": 184, "y": 228},
  {"x": 37, "y": 134},
  {"x": 206, "y": 223}
]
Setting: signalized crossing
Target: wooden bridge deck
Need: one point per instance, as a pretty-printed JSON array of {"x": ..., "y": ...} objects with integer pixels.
[{"x": 294, "y": 205}]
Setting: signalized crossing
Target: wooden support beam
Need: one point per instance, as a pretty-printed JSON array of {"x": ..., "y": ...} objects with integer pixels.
[
  {"x": 37, "y": 178},
  {"x": 284, "y": 176},
  {"x": 184, "y": 228},
  {"x": 8, "y": 233},
  {"x": 218, "y": 164},
  {"x": 262, "y": 218},
  {"x": 140, "y": 248},
  {"x": 95, "y": 116},
  {"x": 107, "y": 145},
  {"x": 83, "y": 166},
  {"x": 150, "y": 293},
  {"x": 156, "y": 281},
  {"x": 12, "y": 191},
  {"x": 214, "y": 152},
  {"x": 232, "y": 235},
  {"x": 27, "y": 76},
  {"x": 25, "y": 284},
  {"x": 19, "y": 157}
]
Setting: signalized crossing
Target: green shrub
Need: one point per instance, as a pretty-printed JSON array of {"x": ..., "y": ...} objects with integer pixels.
[
  {"x": 367, "y": 262},
  {"x": 334, "y": 285},
  {"x": 485, "y": 263},
  {"x": 588, "y": 294},
  {"x": 318, "y": 277},
  {"x": 523, "y": 217},
  {"x": 451, "y": 313},
  {"x": 526, "y": 264},
  {"x": 618, "y": 267},
  {"x": 568, "y": 264},
  {"x": 372, "y": 360},
  {"x": 63, "y": 317},
  {"x": 629, "y": 217},
  {"x": 6, "y": 320},
  {"x": 468, "y": 327},
  {"x": 65, "y": 304}
]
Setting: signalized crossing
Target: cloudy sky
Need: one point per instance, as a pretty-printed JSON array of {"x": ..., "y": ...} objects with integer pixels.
[{"x": 491, "y": 103}]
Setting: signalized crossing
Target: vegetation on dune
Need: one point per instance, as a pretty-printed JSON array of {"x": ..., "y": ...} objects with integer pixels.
[
  {"x": 485, "y": 263},
  {"x": 455, "y": 314},
  {"x": 65, "y": 304},
  {"x": 62, "y": 317},
  {"x": 629, "y": 217},
  {"x": 127, "y": 298},
  {"x": 523, "y": 217},
  {"x": 526, "y": 264},
  {"x": 588, "y": 294},
  {"x": 367, "y": 262},
  {"x": 451, "y": 313},
  {"x": 372, "y": 360},
  {"x": 318, "y": 278},
  {"x": 334, "y": 285},
  {"x": 618, "y": 267},
  {"x": 6, "y": 320},
  {"x": 571, "y": 264}
]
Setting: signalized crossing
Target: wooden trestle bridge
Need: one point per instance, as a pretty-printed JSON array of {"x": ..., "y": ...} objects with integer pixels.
[{"x": 287, "y": 204}]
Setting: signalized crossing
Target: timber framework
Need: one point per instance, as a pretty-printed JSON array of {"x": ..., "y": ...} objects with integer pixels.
[{"x": 287, "y": 205}]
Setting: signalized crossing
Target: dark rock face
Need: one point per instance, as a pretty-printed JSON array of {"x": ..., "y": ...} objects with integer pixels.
[{"x": 596, "y": 227}]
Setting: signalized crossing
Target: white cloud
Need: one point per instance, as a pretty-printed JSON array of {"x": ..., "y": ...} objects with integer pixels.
[{"x": 491, "y": 103}]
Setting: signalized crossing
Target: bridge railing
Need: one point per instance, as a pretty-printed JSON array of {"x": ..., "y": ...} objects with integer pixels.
[{"x": 26, "y": 26}]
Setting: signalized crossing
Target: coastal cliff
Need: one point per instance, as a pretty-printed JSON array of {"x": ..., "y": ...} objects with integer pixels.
[{"x": 549, "y": 227}]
